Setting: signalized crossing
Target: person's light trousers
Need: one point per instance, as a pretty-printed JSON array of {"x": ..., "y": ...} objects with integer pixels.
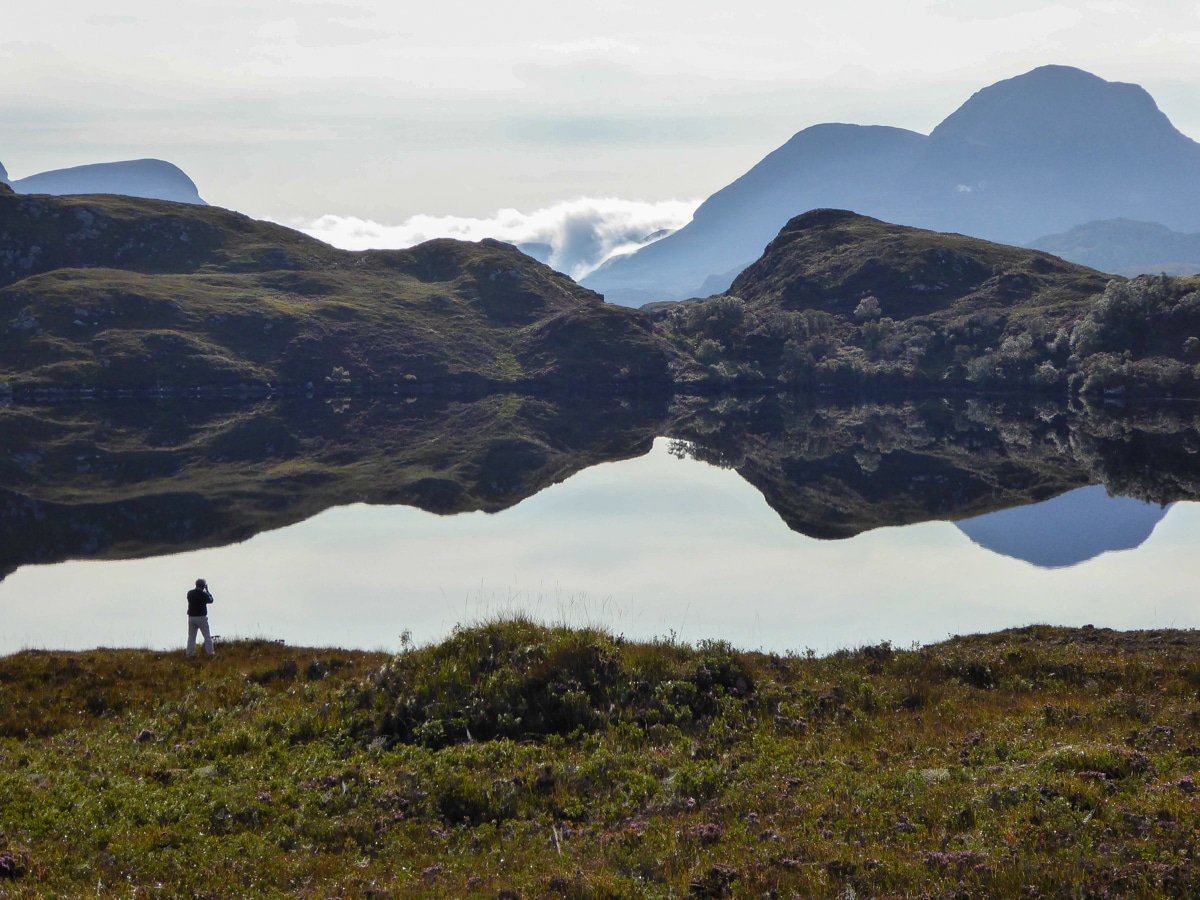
[{"x": 198, "y": 623}]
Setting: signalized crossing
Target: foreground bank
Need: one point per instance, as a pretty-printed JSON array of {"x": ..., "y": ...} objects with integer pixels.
[{"x": 513, "y": 761}]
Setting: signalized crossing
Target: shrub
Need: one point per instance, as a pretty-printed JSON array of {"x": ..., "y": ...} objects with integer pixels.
[
  {"x": 709, "y": 352},
  {"x": 868, "y": 308},
  {"x": 717, "y": 316},
  {"x": 520, "y": 680},
  {"x": 1122, "y": 318}
]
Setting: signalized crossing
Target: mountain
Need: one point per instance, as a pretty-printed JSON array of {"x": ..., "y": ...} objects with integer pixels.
[
  {"x": 1050, "y": 149},
  {"x": 152, "y": 179},
  {"x": 3, "y": 174},
  {"x": 850, "y": 166},
  {"x": 1066, "y": 530},
  {"x": 1126, "y": 247},
  {"x": 1027, "y": 156},
  {"x": 108, "y": 293}
]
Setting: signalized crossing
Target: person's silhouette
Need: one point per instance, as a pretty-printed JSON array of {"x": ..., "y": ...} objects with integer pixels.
[{"x": 198, "y": 599}]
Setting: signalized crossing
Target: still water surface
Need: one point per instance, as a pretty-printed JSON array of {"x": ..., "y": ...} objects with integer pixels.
[{"x": 645, "y": 547}]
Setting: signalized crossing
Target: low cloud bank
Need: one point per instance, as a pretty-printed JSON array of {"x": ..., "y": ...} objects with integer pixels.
[{"x": 574, "y": 236}]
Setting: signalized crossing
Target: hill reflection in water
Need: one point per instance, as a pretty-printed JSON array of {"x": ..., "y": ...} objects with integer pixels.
[{"x": 662, "y": 541}]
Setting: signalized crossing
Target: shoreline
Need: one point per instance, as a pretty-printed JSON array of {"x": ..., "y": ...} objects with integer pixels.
[{"x": 1088, "y": 631}]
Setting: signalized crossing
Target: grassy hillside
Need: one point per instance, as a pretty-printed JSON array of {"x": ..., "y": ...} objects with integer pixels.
[
  {"x": 515, "y": 761},
  {"x": 103, "y": 294},
  {"x": 113, "y": 295},
  {"x": 840, "y": 300}
]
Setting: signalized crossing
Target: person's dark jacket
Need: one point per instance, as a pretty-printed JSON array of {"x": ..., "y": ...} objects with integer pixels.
[{"x": 198, "y": 600}]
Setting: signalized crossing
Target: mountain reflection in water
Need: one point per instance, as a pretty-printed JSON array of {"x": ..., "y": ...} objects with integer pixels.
[
  {"x": 136, "y": 482},
  {"x": 1067, "y": 530}
]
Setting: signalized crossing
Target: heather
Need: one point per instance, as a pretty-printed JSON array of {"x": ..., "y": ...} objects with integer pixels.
[{"x": 517, "y": 760}]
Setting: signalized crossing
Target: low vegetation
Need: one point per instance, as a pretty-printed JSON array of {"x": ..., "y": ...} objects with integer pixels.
[{"x": 513, "y": 760}]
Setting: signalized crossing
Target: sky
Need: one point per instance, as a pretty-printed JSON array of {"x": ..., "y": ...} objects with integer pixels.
[{"x": 354, "y": 117}]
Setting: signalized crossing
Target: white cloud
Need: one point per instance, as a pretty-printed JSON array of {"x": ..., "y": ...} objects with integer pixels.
[
  {"x": 590, "y": 45},
  {"x": 111, "y": 20},
  {"x": 581, "y": 234},
  {"x": 409, "y": 107}
]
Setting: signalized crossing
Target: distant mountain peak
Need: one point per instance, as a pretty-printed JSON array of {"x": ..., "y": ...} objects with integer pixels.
[
  {"x": 1055, "y": 105},
  {"x": 1067, "y": 77},
  {"x": 1125, "y": 246},
  {"x": 151, "y": 179},
  {"x": 1038, "y": 153},
  {"x": 3, "y": 173}
]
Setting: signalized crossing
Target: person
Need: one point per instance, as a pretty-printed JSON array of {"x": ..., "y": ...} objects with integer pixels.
[{"x": 198, "y": 599}]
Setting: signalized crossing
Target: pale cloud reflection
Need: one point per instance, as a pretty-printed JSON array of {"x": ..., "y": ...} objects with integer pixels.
[{"x": 111, "y": 20}]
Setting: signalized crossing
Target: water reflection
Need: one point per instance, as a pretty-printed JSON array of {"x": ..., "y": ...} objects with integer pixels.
[
  {"x": 1067, "y": 530},
  {"x": 721, "y": 530},
  {"x": 646, "y": 546}
]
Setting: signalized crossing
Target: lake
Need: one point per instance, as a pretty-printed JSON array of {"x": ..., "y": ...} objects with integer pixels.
[{"x": 781, "y": 529}]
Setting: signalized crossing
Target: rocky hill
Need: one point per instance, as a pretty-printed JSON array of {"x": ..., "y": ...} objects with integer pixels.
[
  {"x": 115, "y": 295},
  {"x": 840, "y": 300},
  {"x": 1028, "y": 156},
  {"x": 104, "y": 293}
]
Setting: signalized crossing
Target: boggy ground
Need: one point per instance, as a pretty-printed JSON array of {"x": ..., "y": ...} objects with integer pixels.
[{"x": 513, "y": 760}]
